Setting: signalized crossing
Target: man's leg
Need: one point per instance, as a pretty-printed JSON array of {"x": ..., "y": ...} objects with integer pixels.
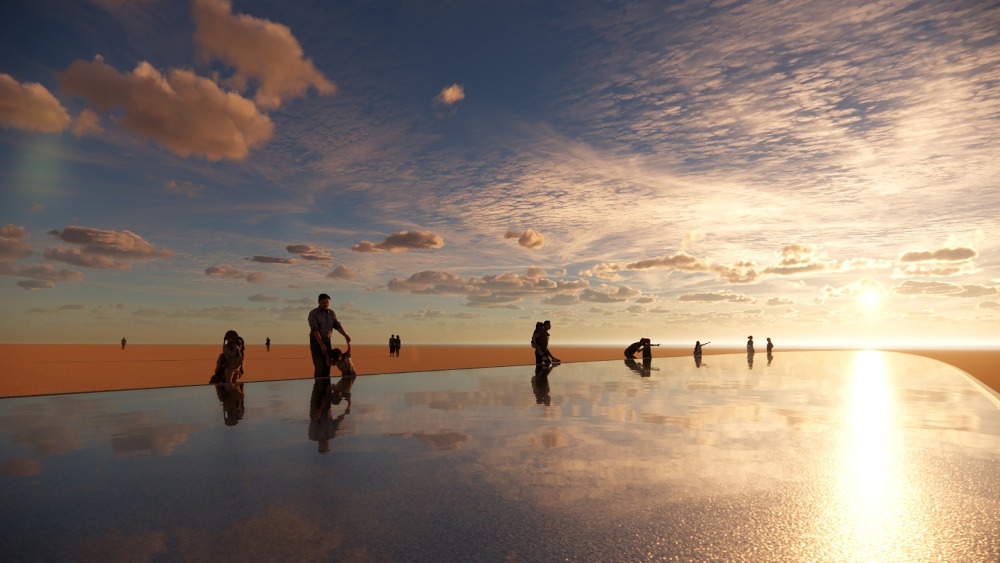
[{"x": 320, "y": 367}]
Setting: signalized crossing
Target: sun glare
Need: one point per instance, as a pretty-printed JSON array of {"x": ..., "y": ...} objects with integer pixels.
[{"x": 870, "y": 298}]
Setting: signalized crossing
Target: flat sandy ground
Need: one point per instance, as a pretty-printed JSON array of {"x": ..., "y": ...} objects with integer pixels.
[{"x": 40, "y": 369}]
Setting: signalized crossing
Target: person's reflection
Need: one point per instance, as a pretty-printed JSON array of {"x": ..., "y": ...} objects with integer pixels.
[
  {"x": 750, "y": 358},
  {"x": 644, "y": 370},
  {"x": 770, "y": 357},
  {"x": 323, "y": 427},
  {"x": 232, "y": 396},
  {"x": 697, "y": 361},
  {"x": 540, "y": 384}
]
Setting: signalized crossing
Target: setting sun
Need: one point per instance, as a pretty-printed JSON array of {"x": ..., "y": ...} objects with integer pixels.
[{"x": 870, "y": 298}]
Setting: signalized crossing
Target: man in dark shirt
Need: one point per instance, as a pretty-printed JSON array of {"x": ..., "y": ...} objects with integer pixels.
[{"x": 322, "y": 322}]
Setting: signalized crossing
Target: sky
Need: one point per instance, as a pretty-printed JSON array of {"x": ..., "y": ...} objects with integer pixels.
[{"x": 820, "y": 173}]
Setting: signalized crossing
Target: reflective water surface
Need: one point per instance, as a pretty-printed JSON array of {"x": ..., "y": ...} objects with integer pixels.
[{"x": 853, "y": 456}]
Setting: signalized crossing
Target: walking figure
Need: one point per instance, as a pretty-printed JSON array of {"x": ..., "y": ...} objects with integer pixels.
[{"x": 124, "y": 342}]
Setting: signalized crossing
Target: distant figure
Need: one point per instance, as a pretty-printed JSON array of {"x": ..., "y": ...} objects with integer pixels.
[
  {"x": 698, "y": 345},
  {"x": 750, "y": 360},
  {"x": 229, "y": 364},
  {"x": 392, "y": 345},
  {"x": 633, "y": 348},
  {"x": 750, "y": 345},
  {"x": 543, "y": 344},
  {"x": 267, "y": 343},
  {"x": 322, "y": 322},
  {"x": 770, "y": 349},
  {"x": 399, "y": 345},
  {"x": 124, "y": 342},
  {"x": 540, "y": 384}
]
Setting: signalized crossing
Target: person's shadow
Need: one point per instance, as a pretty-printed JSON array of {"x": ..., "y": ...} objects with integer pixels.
[
  {"x": 540, "y": 384},
  {"x": 323, "y": 427},
  {"x": 644, "y": 370}
]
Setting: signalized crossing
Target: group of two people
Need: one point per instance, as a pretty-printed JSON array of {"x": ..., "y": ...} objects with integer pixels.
[
  {"x": 395, "y": 343},
  {"x": 540, "y": 343}
]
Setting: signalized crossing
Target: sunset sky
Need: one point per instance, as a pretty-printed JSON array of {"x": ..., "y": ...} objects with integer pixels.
[{"x": 821, "y": 173}]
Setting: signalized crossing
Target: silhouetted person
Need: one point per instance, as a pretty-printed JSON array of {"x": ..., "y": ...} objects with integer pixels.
[
  {"x": 322, "y": 322},
  {"x": 633, "y": 348},
  {"x": 770, "y": 358},
  {"x": 124, "y": 342},
  {"x": 267, "y": 343},
  {"x": 399, "y": 344},
  {"x": 342, "y": 361},
  {"x": 750, "y": 345},
  {"x": 229, "y": 364},
  {"x": 697, "y": 361},
  {"x": 647, "y": 349},
  {"x": 697, "y": 347},
  {"x": 770, "y": 345},
  {"x": 543, "y": 344},
  {"x": 392, "y": 345},
  {"x": 540, "y": 384},
  {"x": 539, "y": 356}
]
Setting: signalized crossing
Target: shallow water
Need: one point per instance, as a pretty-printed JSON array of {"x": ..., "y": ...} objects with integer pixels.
[{"x": 819, "y": 456}]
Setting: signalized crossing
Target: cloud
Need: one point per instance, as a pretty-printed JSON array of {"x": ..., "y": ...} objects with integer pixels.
[
  {"x": 261, "y": 298},
  {"x": 341, "y": 272},
  {"x": 942, "y": 254},
  {"x": 87, "y": 123},
  {"x": 681, "y": 261},
  {"x": 488, "y": 290},
  {"x": 561, "y": 299},
  {"x": 403, "y": 240},
  {"x": 775, "y": 301},
  {"x": 716, "y": 296},
  {"x": 71, "y": 307},
  {"x": 39, "y": 272},
  {"x": 604, "y": 270},
  {"x": 228, "y": 272},
  {"x": 989, "y": 305},
  {"x": 119, "y": 244},
  {"x": 800, "y": 259},
  {"x": 78, "y": 257},
  {"x": 740, "y": 272},
  {"x": 30, "y": 106},
  {"x": 259, "y": 50},
  {"x": 186, "y": 113},
  {"x": 309, "y": 252},
  {"x": 636, "y": 309},
  {"x": 646, "y": 299},
  {"x": 451, "y": 94},
  {"x": 13, "y": 245},
  {"x": 608, "y": 294},
  {"x": 272, "y": 260},
  {"x": 36, "y": 284},
  {"x": 911, "y": 287},
  {"x": 528, "y": 238},
  {"x": 186, "y": 189}
]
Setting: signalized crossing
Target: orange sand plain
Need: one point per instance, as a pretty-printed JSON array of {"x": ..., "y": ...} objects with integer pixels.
[{"x": 33, "y": 369}]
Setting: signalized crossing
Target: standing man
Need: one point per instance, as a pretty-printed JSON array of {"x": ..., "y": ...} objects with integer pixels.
[
  {"x": 267, "y": 343},
  {"x": 322, "y": 322},
  {"x": 124, "y": 342}
]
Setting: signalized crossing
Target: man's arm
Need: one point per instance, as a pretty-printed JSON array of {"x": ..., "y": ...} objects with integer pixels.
[{"x": 340, "y": 328}]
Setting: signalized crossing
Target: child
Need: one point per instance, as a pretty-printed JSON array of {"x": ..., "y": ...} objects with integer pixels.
[{"x": 342, "y": 390}]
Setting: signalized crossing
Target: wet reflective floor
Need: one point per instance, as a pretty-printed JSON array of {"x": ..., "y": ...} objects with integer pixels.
[{"x": 852, "y": 456}]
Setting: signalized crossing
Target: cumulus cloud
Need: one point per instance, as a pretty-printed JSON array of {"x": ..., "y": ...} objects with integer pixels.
[
  {"x": 35, "y": 284},
  {"x": 13, "y": 243},
  {"x": 942, "y": 254},
  {"x": 259, "y": 50},
  {"x": 716, "y": 296},
  {"x": 488, "y": 290},
  {"x": 451, "y": 94},
  {"x": 528, "y": 238},
  {"x": 87, "y": 122},
  {"x": 261, "y": 298},
  {"x": 341, "y": 272},
  {"x": 30, "y": 106},
  {"x": 911, "y": 287},
  {"x": 608, "y": 294},
  {"x": 604, "y": 270},
  {"x": 403, "y": 240},
  {"x": 228, "y": 272},
  {"x": 272, "y": 260},
  {"x": 309, "y": 252},
  {"x": 186, "y": 113},
  {"x": 644, "y": 300},
  {"x": 99, "y": 245},
  {"x": 775, "y": 301},
  {"x": 740, "y": 272},
  {"x": 78, "y": 257},
  {"x": 800, "y": 259}
]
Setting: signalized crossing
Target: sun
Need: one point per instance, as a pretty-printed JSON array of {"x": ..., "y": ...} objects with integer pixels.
[{"x": 869, "y": 298}]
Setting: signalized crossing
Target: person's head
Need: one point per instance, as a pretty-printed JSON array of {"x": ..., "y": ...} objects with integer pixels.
[
  {"x": 749, "y": 338},
  {"x": 539, "y": 325},
  {"x": 697, "y": 342},
  {"x": 335, "y": 355},
  {"x": 324, "y": 301},
  {"x": 547, "y": 325},
  {"x": 769, "y": 339}
]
